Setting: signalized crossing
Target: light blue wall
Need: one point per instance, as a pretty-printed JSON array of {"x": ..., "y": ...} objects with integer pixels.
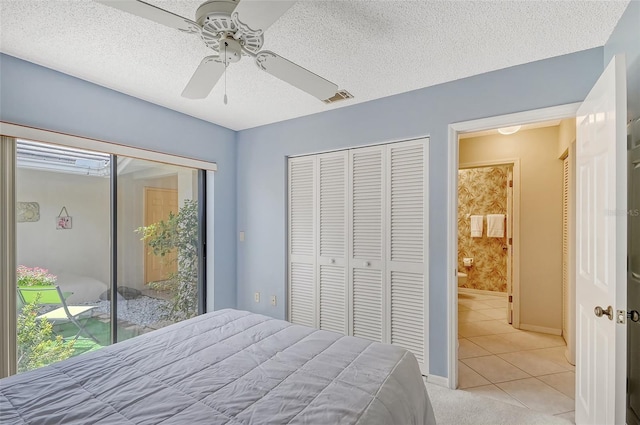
[
  {"x": 626, "y": 39},
  {"x": 262, "y": 155},
  {"x": 40, "y": 97}
]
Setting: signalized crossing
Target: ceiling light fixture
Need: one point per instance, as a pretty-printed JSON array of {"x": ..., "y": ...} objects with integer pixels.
[{"x": 509, "y": 130}]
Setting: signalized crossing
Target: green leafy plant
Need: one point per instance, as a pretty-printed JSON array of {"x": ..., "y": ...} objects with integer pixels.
[
  {"x": 35, "y": 276},
  {"x": 178, "y": 233},
  {"x": 37, "y": 344}
]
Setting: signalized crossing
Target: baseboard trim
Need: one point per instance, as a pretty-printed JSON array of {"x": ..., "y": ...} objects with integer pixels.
[
  {"x": 541, "y": 329},
  {"x": 438, "y": 380},
  {"x": 481, "y": 292}
]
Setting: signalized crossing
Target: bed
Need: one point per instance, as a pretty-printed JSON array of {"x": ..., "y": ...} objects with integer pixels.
[{"x": 226, "y": 367}]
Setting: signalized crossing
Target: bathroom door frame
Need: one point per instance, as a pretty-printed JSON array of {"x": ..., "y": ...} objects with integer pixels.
[
  {"x": 512, "y": 230},
  {"x": 454, "y": 131}
]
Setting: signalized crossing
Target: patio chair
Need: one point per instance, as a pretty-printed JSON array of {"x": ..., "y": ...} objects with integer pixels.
[{"x": 53, "y": 296}]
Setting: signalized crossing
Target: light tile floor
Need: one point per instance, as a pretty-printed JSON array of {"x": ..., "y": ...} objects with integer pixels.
[{"x": 526, "y": 369}]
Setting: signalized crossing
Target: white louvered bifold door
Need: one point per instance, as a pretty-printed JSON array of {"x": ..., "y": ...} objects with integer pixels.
[
  {"x": 406, "y": 250},
  {"x": 366, "y": 230},
  {"x": 332, "y": 237},
  {"x": 302, "y": 241}
]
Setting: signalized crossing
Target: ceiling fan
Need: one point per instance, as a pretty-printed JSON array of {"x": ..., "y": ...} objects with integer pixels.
[{"x": 233, "y": 28}]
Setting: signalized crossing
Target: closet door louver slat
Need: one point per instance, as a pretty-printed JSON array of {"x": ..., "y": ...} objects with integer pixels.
[
  {"x": 302, "y": 306},
  {"x": 332, "y": 236},
  {"x": 302, "y": 217},
  {"x": 406, "y": 220},
  {"x": 367, "y": 304},
  {"x": 407, "y": 312},
  {"x": 367, "y": 242},
  {"x": 367, "y": 203},
  {"x": 333, "y": 314},
  {"x": 407, "y": 203}
]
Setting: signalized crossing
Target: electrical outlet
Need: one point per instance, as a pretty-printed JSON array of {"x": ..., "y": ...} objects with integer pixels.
[
  {"x": 273, "y": 300},
  {"x": 256, "y": 297}
]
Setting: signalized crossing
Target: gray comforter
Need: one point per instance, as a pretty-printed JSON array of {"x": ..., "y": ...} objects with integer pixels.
[{"x": 227, "y": 367}]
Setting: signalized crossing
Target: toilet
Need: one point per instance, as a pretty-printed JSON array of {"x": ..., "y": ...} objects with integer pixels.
[{"x": 462, "y": 278}]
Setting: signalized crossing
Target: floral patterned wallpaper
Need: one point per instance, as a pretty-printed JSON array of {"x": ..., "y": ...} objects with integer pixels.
[{"x": 482, "y": 191}]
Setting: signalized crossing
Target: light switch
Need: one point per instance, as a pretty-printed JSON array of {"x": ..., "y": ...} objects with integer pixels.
[{"x": 241, "y": 236}]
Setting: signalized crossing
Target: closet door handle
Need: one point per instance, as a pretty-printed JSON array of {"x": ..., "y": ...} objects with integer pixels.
[
  {"x": 367, "y": 263},
  {"x": 333, "y": 261}
]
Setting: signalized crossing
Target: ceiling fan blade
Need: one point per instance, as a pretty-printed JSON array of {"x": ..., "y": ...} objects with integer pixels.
[
  {"x": 153, "y": 13},
  {"x": 295, "y": 75},
  {"x": 205, "y": 78},
  {"x": 256, "y": 15}
]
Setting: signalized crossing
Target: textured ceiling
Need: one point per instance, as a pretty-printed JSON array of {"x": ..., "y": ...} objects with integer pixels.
[{"x": 370, "y": 48}]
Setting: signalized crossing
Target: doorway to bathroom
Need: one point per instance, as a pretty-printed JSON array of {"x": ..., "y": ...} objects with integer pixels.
[
  {"x": 485, "y": 234},
  {"x": 510, "y": 294}
]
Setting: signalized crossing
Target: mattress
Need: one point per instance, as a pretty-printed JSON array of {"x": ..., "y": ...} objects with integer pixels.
[{"x": 226, "y": 367}]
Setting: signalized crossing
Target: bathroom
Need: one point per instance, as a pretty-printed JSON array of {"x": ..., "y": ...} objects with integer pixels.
[{"x": 483, "y": 251}]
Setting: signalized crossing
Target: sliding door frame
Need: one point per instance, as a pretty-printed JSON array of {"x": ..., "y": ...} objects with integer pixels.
[
  {"x": 10, "y": 134},
  {"x": 113, "y": 284},
  {"x": 202, "y": 241},
  {"x": 8, "y": 322}
]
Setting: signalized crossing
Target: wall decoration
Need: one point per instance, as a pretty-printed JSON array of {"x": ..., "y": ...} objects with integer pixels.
[
  {"x": 27, "y": 212},
  {"x": 482, "y": 191},
  {"x": 63, "y": 221}
]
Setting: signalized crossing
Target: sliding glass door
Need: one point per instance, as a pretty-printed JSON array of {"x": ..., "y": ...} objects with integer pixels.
[
  {"x": 158, "y": 232},
  {"x": 108, "y": 248},
  {"x": 63, "y": 252}
]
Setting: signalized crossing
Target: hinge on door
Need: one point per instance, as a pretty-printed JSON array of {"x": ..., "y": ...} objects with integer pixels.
[
  {"x": 510, "y": 183},
  {"x": 510, "y": 298},
  {"x": 510, "y": 241}
]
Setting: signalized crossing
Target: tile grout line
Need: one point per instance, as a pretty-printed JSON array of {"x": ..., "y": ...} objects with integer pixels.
[{"x": 496, "y": 355}]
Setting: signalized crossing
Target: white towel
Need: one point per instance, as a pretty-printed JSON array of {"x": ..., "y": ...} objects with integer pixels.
[
  {"x": 477, "y": 224},
  {"x": 495, "y": 225}
]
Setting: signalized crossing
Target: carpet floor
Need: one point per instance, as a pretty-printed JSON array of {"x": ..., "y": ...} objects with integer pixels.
[{"x": 458, "y": 407}]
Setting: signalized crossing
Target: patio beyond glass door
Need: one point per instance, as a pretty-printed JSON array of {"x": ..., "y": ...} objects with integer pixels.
[
  {"x": 108, "y": 248},
  {"x": 158, "y": 227},
  {"x": 63, "y": 252}
]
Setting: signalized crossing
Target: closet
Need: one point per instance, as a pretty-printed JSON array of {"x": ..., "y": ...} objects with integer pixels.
[{"x": 357, "y": 229}]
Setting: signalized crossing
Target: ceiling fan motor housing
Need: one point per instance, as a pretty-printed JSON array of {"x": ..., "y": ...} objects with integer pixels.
[
  {"x": 230, "y": 49},
  {"x": 217, "y": 24}
]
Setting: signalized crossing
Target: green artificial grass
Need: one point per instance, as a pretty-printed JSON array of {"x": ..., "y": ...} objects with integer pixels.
[{"x": 98, "y": 328}]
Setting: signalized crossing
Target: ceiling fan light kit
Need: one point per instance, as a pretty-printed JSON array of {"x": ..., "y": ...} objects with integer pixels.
[{"x": 234, "y": 28}]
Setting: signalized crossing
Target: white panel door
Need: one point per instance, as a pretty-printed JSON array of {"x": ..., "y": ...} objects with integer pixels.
[
  {"x": 332, "y": 241},
  {"x": 601, "y": 188},
  {"x": 366, "y": 251},
  {"x": 406, "y": 231},
  {"x": 302, "y": 241}
]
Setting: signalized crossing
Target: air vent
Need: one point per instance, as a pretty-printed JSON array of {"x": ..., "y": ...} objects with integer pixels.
[{"x": 340, "y": 95}]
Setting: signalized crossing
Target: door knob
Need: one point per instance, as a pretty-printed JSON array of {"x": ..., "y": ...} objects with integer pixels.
[
  {"x": 634, "y": 316},
  {"x": 599, "y": 311}
]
